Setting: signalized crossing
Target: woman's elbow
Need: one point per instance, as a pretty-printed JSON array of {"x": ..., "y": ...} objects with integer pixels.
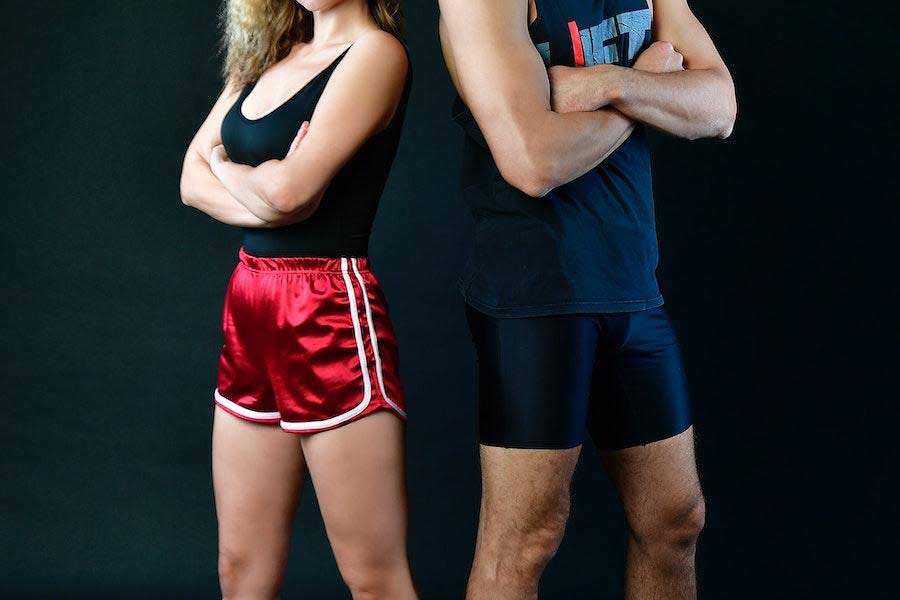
[
  {"x": 280, "y": 199},
  {"x": 285, "y": 200},
  {"x": 191, "y": 180},
  {"x": 187, "y": 189}
]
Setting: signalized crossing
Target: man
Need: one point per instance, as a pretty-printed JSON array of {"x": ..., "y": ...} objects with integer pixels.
[{"x": 561, "y": 293}]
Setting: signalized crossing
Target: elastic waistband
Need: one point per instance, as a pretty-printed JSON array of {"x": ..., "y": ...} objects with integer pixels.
[{"x": 303, "y": 264}]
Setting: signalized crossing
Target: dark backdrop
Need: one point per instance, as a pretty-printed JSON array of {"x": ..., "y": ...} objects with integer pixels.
[{"x": 779, "y": 264}]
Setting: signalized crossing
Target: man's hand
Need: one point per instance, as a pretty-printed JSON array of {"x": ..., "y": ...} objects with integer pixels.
[
  {"x": 583, "y": 89},
  {"x": 660, "y": 57},
  {"x": 687, "y": 92}
]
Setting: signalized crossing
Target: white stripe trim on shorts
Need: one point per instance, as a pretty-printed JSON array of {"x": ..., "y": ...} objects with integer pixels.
[
  {"x": 373, "y": 335},
  {"x": 363, "y": 364},
  {"x": 244, "y": 412}
]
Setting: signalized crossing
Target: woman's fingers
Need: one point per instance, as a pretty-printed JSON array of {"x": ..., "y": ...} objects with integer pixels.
[{"x": 301, "y": 133}]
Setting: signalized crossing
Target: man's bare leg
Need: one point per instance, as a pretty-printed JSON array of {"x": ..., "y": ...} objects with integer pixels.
[
  {"x": 524, "y": 508},
  {"x": 660, "y": 489}
]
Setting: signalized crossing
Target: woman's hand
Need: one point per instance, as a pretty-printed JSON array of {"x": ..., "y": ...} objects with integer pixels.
[
  {"x": 301, "y": 133},
  {"x": 217, "y": 158}
]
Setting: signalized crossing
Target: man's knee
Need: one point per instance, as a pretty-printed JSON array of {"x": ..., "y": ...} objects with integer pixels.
[
  {"x": 527, "y": 544},
  {"x": 524, "y": 510},
  {"x": 243, "y": 575},
  {"x": 544, "y": 538},
  {"x": 670, "y": 533}
]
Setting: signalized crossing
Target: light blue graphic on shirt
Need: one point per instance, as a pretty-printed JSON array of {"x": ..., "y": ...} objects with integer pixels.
[{"x": 616, "y": 40}]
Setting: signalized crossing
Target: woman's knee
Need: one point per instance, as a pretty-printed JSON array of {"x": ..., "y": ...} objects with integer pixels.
[
  {"x": 242, "y": 574},
  {"x": 377, "y": 581}
]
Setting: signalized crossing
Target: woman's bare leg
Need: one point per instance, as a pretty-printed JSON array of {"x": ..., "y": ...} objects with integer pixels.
[
  {"x": 359, "y": 474},
  {"x": 258, "y": 473}
]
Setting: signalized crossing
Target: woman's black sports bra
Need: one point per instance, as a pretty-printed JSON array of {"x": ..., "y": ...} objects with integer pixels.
[{"x": 343, "y": 221}]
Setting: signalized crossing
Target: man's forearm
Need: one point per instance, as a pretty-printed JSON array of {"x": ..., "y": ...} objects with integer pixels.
[
  {"x": 692, "y": 104},
  {"x": 569, "y": 145},
  {"x": 499, "y": 74}
]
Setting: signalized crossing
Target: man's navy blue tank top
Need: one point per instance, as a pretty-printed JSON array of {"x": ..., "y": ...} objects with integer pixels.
[
  {"x": 341, "y": 224},
  {"x": 589, "y": 245}
]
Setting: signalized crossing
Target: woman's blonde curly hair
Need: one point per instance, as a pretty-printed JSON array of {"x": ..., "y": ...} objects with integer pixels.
[{"x": 259, "y": 33}]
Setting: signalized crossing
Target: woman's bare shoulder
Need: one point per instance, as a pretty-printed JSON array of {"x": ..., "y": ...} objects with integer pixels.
[{"x": 380, "y": 48}]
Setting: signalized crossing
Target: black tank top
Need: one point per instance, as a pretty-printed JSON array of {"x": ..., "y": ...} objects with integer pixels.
[
  {"x": 342, "y": 223},
  {"x": 589, "y": 245}
]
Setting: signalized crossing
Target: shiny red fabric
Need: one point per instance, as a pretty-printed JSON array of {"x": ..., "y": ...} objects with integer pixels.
[{"x": 308, "y": 344}]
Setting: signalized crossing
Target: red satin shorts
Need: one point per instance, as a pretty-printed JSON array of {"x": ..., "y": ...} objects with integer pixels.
[{"x": 308, "y": 344}]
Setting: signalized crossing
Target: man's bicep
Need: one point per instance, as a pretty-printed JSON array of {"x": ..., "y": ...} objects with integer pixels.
[
  {"x": 497, "y": 70},
  {"x": 674, "y": 22}
]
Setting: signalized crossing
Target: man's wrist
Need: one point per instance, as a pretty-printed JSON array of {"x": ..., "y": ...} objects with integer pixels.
[{"x": 609, "y": 84}]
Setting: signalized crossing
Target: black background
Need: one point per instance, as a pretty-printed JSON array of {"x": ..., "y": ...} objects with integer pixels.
[{"x": 779, "y": 265}]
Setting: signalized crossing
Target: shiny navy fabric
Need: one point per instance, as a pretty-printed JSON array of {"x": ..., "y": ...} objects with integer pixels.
[
  {"x": 589, "y": 245},
  {"x": 541, "y": 380}
]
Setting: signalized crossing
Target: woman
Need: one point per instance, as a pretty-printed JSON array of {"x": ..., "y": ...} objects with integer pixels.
[{"x": 297, "y": 150}]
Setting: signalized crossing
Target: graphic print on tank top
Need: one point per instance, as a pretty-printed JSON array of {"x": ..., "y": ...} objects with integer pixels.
[
  {"x": 590, "y": 244},
  {"x": 598, "y": 32}
]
